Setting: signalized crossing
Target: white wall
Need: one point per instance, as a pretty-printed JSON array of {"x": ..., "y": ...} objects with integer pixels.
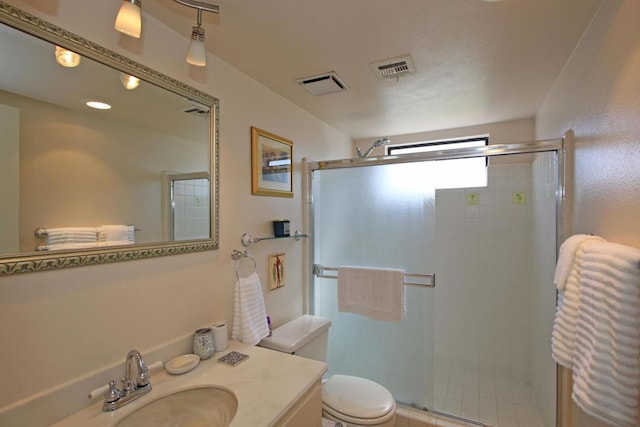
[
  {"x": 598, "y": 96},
  {"x": 63, "y": 324}
]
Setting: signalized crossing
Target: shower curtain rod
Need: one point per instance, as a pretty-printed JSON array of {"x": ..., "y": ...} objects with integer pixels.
[
  {"x": 318, "y": 271},
  {"x": 459, "y": 153}
]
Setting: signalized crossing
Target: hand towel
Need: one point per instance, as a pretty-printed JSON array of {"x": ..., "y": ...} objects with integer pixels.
[
  {"x": 249, "y": 313},
  {"x": 606, "y": 370},
  {"x": 116, "y": 233},
  {"x": 71, "y": 235},
  {"x": 566, "y": 256},
  {"x": 377, "y": 293}
]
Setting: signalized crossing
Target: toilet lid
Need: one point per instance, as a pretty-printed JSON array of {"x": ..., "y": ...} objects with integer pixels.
[{"x": 357, "y": 397}]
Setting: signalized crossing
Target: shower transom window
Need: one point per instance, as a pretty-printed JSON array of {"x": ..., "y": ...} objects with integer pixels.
[{"x": 453, "y": 173}]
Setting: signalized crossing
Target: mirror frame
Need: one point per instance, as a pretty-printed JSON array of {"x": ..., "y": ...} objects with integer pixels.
[{"x": 28, "y": 262}]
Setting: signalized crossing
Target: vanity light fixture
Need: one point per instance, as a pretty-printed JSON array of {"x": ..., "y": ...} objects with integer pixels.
[
  {"x": 129, "y": 82},
  {"x": 197, "y": 54},
  {"x": 129, "y": 19},
  {"x": 129, "y": 22},
  {"x": 66, "y": 58}
]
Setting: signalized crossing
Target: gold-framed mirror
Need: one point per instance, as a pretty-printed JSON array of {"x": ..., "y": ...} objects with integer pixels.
[{"x": 67, "y": 170}]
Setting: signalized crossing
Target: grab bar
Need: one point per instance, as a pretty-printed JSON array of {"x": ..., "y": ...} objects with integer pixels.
[{"x": 430, "y": 279}]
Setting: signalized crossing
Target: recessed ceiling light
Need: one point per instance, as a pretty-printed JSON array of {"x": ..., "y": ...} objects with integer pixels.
[{"x": 97, "y": 105}]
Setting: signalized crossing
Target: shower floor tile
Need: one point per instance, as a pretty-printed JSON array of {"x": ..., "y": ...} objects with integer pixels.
[{"x": 492, "y": 401}]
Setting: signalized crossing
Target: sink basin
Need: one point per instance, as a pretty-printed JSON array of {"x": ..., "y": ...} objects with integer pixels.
[{"x": 203, "y": 406}]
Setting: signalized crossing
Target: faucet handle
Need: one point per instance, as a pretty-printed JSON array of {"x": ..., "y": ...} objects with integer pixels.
[
  {"x": 113, "y": 393},
  {"x": 143, "y": 377}
]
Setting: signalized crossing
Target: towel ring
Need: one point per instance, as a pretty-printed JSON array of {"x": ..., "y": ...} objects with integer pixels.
[{"x": 239, "y": 256}]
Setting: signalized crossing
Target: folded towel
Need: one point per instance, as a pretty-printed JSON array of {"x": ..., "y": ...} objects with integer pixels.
[
  {"x": 566, "y": 256},
  {"x": 249, "y": 313},
  {"x": 65, "y": 235},
  {"x": 606, "y": 370},
  {"x": 377, "y": 293},
  {"x": 116, "y": 233},
  {"x": 66, "y": 246}
]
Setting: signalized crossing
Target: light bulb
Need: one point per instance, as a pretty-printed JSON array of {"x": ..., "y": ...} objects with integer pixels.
[
  {"x": 129, "y": 21},
  {"x": 129, "y": 82},
  {"x": 66, "y": 58},
  {"x": 197, "y": 54}
]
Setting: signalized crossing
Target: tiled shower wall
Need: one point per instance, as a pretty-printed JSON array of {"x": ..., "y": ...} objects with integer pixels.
[
  {"x": 483, "y": 310},
  {"x": 191, "y": 209}
]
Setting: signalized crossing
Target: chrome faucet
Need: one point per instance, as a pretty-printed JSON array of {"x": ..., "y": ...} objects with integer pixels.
[{"x": 134, "y": 385}]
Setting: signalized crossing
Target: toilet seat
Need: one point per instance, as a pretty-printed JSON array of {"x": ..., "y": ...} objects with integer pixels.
[{"x": 357, "y": 400}]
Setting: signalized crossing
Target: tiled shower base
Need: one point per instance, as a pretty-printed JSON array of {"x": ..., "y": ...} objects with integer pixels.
[{"x": 492, "y": 401}]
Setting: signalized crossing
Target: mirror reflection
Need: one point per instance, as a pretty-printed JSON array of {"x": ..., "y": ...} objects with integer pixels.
[{"x": 136, "y": 171}]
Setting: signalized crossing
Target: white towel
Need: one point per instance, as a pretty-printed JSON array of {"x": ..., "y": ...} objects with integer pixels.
[
  {"x": 606, "y": 370},
  {"x": 566, "y": 256},
  {"x": 563, "y": 336},
  {"x": 107, "y": 233},
  {"x": 66, "y": 246},
  {"x": 377, "y": 293},
  {"x": 249, "y": 313},
  {"x": 71, "y": 235}
]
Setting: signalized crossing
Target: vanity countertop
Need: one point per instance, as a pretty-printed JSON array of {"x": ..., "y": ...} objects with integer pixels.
[{"x": 266, "y": 385}]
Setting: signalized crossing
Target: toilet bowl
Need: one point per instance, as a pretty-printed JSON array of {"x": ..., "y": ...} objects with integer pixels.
[{"x": 351, "y": 401}]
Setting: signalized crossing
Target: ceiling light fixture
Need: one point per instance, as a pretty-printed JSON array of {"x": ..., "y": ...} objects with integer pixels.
[
  {"x": 129, "y": 22},
  {"x": 197, "y": 54},
  {"x": 128, "y": 81},
  {"x": 66, "y": 58},
  {"x": 98, "y": 105}
]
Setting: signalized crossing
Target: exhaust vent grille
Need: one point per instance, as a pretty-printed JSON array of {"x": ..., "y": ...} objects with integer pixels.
[
  {"x": 323, "y": 84},
  {"x": 394, "y": 68},
  {"x": 196, "y": 109}
]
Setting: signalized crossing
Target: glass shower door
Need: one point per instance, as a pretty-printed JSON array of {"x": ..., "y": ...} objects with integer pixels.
[{"x": 378, "y": 216}]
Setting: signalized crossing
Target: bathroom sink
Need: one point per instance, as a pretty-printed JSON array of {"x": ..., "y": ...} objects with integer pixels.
[{"x": 203, "y": 406}]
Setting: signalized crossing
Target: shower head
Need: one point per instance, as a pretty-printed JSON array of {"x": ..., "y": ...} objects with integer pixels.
[{"x": 378, "y": 143}]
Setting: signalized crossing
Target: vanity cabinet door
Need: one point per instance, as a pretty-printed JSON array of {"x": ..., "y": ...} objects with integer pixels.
[{"x": 307, "y": 411}]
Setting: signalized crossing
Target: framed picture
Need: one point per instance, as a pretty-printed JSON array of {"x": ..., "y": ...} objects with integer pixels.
[
  {"x": 276, "y": 271},
  {"x": 271, "y": 164}
]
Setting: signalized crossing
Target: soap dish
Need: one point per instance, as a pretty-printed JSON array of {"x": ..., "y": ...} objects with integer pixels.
[{"x": 182, "y": 364}]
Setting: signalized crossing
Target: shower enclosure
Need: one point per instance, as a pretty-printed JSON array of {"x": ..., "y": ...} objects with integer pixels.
[{"x": 477, "y": 346}]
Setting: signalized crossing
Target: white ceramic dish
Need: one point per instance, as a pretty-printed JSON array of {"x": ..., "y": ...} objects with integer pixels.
[{"x": 182, "y": 364}]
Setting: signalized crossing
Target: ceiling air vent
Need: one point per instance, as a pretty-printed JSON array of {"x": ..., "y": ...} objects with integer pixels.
[
  {"x": 394, "y": 68},
  {"x": 323, "y": 84},
  {"x": 196, "y": 109}
]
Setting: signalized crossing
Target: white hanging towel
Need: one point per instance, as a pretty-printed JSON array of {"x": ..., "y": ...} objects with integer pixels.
[
  {"x": 249, "y": 313},
  {"x": 606, "y": 370},
  {"x": 377, "y": 293},
  {"x": 566, "y": 257},
  {"x": 71, "y": 235},
  {"x": 567, "y": 280},
  {"x": 117, "y": 233}
]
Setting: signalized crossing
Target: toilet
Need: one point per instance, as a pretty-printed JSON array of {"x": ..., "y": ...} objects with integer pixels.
[{"x": 347, "y": 400}]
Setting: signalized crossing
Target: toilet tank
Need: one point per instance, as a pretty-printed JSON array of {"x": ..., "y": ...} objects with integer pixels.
[{"x": 304, "y": 336}]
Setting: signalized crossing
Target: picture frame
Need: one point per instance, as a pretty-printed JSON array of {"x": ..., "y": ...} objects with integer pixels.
[
  {"x": 276, "y": 271},
  {"x": 271, "y": 164}
]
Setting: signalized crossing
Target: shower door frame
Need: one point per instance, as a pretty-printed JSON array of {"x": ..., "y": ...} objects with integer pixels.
[{"x": 564, "y": 148}]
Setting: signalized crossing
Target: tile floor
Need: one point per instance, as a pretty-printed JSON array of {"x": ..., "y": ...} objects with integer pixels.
[{"x": 495, "y": 401}]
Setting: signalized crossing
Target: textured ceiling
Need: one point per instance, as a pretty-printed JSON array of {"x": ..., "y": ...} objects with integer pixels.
[{"x": 476, "y": 61}]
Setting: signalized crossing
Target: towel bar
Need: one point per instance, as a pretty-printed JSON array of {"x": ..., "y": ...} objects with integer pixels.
[{"x": 430, "y": 279}]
